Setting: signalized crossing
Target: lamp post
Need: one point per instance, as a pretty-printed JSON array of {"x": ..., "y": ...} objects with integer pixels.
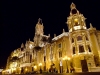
[
  {"x": 66, "y": 60},
  {"x": 40, "y": 64},
  {"x": 35, "y": 67}
]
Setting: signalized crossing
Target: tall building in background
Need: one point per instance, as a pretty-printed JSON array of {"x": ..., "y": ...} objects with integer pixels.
[{"x": 78, "y": 49}]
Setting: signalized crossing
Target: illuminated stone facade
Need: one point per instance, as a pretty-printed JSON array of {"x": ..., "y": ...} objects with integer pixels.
[{"x": 79, "y": 48}]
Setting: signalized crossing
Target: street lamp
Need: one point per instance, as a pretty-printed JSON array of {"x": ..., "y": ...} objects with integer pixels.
[
  {"x": 40, "y": 64},
  {"x": 66, "y": 59},
  {"x": 35, "y": 67}
]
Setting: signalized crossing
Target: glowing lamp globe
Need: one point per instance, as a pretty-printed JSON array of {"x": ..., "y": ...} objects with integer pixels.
[{"x": 76, "y": 20}]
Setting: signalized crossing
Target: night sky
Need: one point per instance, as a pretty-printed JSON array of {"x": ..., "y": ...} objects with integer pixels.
[{"x": 19, "y": 18}]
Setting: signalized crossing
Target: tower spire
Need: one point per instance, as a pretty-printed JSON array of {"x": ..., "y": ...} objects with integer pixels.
[
  {"x": 39, "y": 27},
  {"x": 91, "y": 25},
  {"x": 76, "y": 20},
  {"x": 72, "y": 6}
]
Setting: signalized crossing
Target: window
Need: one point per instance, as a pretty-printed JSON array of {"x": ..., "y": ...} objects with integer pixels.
[
  {"x": 59, "y": 45},
  {"x": 22, "y": 49},
  {"x": 60, "y": 54},
  {"x": 86, "y": 38},
  {"x": 24, "y": 54},
  {"x": 74, "y": 11},
  {"x": 76, "y": 21},
  {"x": 81, "y": 48},
  {"x": 79, "y": 38},
  {"x": 72, "y": 40},
  {"x": 30, "y": 58},
  {"x": 89, "y": 48},
  {"x": 51, "y": 53},
  {"x": 27, "y": 53},
  {"x": 73, "y": 50},
  {"x": 44, "y": 58}
]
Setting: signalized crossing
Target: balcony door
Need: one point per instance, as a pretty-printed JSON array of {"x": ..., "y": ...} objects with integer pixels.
[{"x": 84, "y": 66}]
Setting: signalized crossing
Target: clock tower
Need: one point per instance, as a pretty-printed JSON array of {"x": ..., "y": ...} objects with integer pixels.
[
  {"x": 80, "y": 41},
  {"x": 75, "y": 21}
]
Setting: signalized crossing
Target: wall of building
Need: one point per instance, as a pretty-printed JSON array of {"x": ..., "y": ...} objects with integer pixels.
[{"x": 59, "y": 52}]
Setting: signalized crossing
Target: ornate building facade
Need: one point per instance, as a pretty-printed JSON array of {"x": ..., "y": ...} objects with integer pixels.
[{"x": 79, "y": 48}]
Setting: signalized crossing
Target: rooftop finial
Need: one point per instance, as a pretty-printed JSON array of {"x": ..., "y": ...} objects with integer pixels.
[
  {"x": 73, "y": 6},
  {"x": 63, "y": 30},
  {"x": 91, "y": 25},
  {"x": 40, "y": 21},
  {"x": 49, "y": 35},
  {"x": 22, "y": 45},
  {"x": 29, "y": 39},
  {"x": 54, "y": 35}
]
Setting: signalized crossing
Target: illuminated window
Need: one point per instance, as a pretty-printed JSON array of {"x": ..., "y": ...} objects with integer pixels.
[
  {"x": 30, "y": 46},
  {"x": 79, "y": 38},
  {"x": 76, "y": 22},
  {"x": 77, "y": 27},
  {"x": 81, "y": 49},
  {"x": 73, "y": 50}
]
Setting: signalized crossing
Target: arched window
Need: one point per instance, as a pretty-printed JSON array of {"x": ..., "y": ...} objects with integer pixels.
[
  {"x": 22, "y": 49},
  {"x": 44, "y": 58},
  {"x": 89, "y": 48},
  {"x": 87, "y": 38},
  {"x": 81, "y": 49},
  {"x": 72, "y": 40},
  {"x": 73, "y": 50},
  {"x": 79, "y": 38},
  {"x": 60, "y": 54},
  {"x": 76, "y": 22},
  {"x": 59, "y": 45},
  {"x": 30, "y": 58}
]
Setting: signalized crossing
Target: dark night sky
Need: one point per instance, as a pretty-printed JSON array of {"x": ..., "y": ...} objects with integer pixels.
[{"x": 19, "y": 18}]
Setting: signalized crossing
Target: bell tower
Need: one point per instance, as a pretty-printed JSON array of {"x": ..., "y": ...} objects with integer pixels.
[
  {"x": 75, "y": 21},
  {"x": 39, "y": 27},
  {"x": 79, "y": 39},
  {"x": 38, "y": 33}
]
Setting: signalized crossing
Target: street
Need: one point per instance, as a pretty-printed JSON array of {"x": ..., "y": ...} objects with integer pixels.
[{"x": 86, "y": 73}]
